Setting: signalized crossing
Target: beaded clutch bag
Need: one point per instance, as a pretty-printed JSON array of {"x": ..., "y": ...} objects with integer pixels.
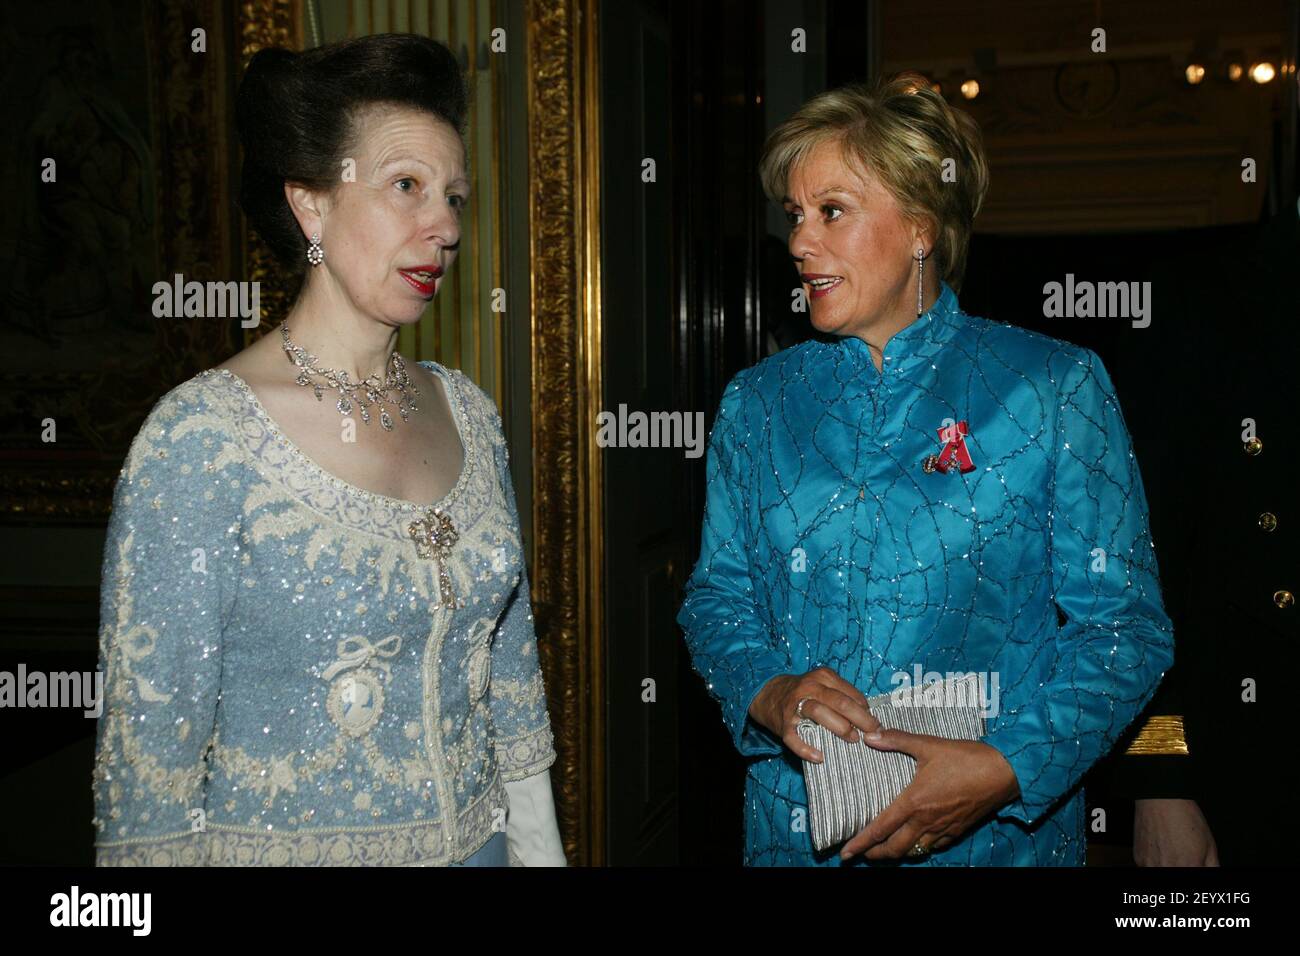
[{"x": 854, "y": 783}]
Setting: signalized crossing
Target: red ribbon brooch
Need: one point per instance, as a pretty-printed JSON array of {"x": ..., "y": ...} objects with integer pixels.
[{"x": 954, "y": 451}]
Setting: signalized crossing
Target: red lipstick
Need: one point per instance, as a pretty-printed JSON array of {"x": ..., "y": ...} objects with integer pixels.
[{"x": 423, "y": 279}]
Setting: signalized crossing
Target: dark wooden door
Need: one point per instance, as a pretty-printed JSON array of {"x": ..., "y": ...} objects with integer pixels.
[{"x": 680, "y": 309}]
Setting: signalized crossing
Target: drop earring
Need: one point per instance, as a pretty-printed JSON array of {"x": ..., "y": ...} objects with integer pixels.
[
  {"x": 315, "y": 254},
  {"x": 920, "y": 275}
]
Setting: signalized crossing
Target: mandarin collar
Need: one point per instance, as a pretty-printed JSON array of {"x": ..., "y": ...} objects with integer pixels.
[{"x": 917, "y": 343}]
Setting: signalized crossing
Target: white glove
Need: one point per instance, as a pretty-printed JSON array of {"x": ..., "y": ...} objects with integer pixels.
[{"x": 532, "y": 834}]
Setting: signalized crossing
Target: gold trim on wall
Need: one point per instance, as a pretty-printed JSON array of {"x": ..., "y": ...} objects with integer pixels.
[
  {"x": 266, "y": 23},
  {"x": 564, "y": 219}
]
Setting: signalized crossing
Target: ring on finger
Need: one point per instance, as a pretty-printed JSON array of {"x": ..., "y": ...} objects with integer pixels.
[
  {"x": 918, "y": 849},
  {"x": 798, "y": 708}
]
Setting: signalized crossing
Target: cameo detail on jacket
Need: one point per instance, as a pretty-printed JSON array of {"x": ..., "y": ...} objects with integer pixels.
[{"x": 356, "y": 697}]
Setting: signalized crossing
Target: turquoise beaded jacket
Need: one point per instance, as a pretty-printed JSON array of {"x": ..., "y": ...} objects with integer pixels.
[
  {"x": 826, "y": 543},
  {"x": 285, "y": 682}
]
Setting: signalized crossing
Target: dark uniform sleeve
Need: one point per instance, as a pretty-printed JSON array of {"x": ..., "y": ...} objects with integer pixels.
[{"x": 1154, "y": 759}]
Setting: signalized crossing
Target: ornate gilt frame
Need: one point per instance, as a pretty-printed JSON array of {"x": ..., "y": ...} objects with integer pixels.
[{"x": 564, "y": 230}]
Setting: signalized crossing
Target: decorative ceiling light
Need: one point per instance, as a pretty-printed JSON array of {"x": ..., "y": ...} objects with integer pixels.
[
  {"x": 970, "y": 89},
  {"x": 1262, "y": 72},
  {"x": 1194, "y": 73}
]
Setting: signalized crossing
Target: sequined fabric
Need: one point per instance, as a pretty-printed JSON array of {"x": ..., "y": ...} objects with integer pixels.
[
  {"x": 825, "y": 543},
  {"x": 283, "y": 685}
]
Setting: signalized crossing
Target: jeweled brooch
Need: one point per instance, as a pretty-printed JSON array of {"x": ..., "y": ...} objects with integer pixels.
[{"x": 434, "y": 536}]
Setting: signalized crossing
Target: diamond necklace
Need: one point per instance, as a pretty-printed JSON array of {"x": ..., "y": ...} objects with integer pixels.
[{"x": 365, "y": 393}]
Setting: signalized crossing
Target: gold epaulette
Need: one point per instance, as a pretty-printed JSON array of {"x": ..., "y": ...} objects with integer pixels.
[{"x": 1160, "y": 735}]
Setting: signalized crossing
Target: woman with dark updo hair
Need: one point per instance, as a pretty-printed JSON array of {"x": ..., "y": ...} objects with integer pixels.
[{"x": 316, "y": 633}]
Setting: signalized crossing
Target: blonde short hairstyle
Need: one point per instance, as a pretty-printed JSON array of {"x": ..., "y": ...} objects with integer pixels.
[{"x": 900, "y": 132}]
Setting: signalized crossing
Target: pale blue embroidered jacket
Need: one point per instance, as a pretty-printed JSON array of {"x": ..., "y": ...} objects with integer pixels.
[
  {"x": 280, "y": 688},
  {"x": 825, "y": 543}
]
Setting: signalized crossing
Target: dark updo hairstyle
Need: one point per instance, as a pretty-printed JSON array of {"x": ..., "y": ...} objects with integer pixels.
[{"x": 296, "y": 114}]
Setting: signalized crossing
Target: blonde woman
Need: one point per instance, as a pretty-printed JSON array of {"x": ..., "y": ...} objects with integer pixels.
[{"x": 930, "y": 489}]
